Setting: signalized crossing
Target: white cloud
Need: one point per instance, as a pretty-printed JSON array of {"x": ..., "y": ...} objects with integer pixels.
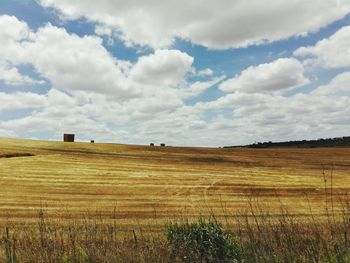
[
  {"x": 214, "y": 24},
  {"x": 74, "y": 63},
  {"x": 101, "y": 93},
  {"x": 198, "y": 87},
  {"x": 281, "y": 74},
  {"x": 21, "y": 101},
  {"x": 12, "y": 33},
  {"x": 205, "y": 72},
  {"x": 264, "y": 117},
  {"x": 332, "y": 52},
  {"x": 12, "y": 77},
  {"x": 324, "y": 112},
  {"x": 81, "y": 64},
  {"x": 339, "y": 86},
  {"x": 103, "y": 30},
  {"x": 254, "y": 117},
  {"x": 164, "y": 67},
  {"x": 97, "y": 96},
  {"x": 58, "y": 113}
]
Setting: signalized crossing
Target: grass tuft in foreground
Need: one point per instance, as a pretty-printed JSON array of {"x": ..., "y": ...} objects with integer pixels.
[{"x": 203, "y": 241}]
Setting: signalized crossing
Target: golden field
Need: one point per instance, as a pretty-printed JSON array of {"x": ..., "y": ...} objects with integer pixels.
[{"x": 148, "y": 186}]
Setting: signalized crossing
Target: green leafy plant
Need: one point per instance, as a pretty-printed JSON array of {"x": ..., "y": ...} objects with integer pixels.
[
  {"x": 79, "y": 257},
  {"x": 203, "y": 241}
]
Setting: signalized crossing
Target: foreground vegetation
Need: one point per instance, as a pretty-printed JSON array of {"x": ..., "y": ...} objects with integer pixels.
[{"x": 254, "y": 236}]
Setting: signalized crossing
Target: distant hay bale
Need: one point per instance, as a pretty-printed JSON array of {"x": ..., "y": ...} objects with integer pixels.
[
  {"x": 162, "y": 144},
  {"x": 92, "y": 141},
  {"x": 68, "y": 137}
]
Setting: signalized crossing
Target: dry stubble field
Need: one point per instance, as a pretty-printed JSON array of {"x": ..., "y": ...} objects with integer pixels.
[{"x": 148, "y": 186}]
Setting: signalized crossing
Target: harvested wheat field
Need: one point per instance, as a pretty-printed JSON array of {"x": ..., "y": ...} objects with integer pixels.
[{"x": 148, "y": 186}]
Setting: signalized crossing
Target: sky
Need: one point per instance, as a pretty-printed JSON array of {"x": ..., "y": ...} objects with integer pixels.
[{"x": 187, "y": 73}]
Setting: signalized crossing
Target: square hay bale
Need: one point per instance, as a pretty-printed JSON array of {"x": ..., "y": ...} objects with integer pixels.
[{"x": 68, "y": 137}]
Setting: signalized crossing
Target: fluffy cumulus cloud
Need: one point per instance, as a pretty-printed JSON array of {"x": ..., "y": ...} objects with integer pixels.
[
  {"x": 21, "y": 101},
  {"x": 214, "y": 24},
  {"x": 332, "y": 52},
  {"x": 102, "y": 93},
  {"x": 12, "y": 33},
  {"x": 339, "y": 86},
  {"x": 74, "y": 63},
  {"x": 164, "y": 67},
  {"x": 162, "y": 95},
  {"x": 281, "y": 74},
  {"x": 11, "y": 76},
  {"x": 277, "y": 117}
]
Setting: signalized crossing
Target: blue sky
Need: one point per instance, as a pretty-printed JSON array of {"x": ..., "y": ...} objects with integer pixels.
[{"x": 201, "y": 74}]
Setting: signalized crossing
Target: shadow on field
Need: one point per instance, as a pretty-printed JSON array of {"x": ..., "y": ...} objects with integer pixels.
[{"x": 14, "y": 155}]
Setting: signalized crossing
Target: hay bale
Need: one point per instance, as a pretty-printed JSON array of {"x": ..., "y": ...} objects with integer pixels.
[{"x": 68, "y": 137}]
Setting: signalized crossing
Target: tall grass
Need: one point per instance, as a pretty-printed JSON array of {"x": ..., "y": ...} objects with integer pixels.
[
  {"x": 288, "y": 239},
  {"x": 251, "y": 236},
  {"x": 89, "y": 240}
]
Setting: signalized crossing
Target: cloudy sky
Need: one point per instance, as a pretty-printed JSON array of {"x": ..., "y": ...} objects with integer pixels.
[{"x": 199, "y": 73}]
